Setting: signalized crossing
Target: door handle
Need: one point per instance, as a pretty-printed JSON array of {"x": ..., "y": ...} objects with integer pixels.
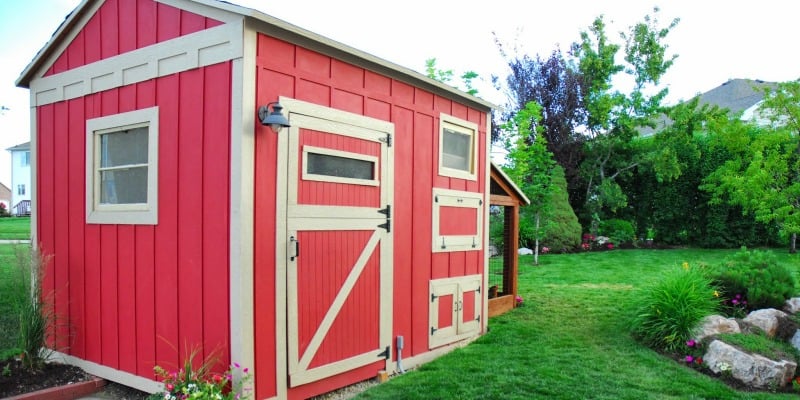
[{"x": 296, "y": 248}]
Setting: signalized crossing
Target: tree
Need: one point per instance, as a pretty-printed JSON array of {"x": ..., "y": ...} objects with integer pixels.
[
  {"x": 446, "y": 76},
  {"x": 530, "y": 164},
  {"x": 615, "y": 118},
  {"x": 555, "y": 85},
  {"x": 764, "y": 175},
  {"x": 564, "y": 230}
]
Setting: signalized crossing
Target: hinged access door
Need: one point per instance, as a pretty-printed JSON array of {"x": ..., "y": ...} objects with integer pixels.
[{"x": 339, "y": 243}]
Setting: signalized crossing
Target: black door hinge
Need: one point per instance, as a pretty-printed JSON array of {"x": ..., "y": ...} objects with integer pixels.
[
  {"x": 387, "y": 139},
  {"x": 384, "y": 354}
]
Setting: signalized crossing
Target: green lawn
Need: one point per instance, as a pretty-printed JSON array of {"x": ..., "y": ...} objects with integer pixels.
[
  {"x": 8, "y": 322},
  {"x": 15, "y": 228},
  {"x": 570, "y": 340}
]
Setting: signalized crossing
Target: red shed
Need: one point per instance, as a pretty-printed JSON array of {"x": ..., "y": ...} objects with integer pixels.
[{"x": 318, "y": 255}]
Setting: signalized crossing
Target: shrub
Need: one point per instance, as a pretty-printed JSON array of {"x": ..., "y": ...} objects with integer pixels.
[
  {"x": 618, "y": 230},
  {"x": 667, "y": 311},
  {"x": 758, "y": 277},
  {"x": 564, "y": 229}
]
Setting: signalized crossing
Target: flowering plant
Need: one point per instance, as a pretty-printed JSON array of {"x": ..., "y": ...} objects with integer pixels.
[
  {"x": 520, "y": 301},
  {"x": 201, "y": 383},
  {"x": 692, "y": 357},
  {"x": 545, "y": 249}
]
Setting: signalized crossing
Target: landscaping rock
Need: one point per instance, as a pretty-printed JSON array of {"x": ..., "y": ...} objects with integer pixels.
[
  {"x": 752, "y": 370},
  {"x": 795, "y": 341},
  {"x": 524, "y": 251},
  {"x": 766, "y": 319},
  {"x": 792, "y": 306},
  {"x": 716, "y": 324}
]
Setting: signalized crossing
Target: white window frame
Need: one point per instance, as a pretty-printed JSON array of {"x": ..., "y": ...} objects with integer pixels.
[
  {"x": 465, "y": 127},
  {"x": 456, "y": 198},
  {"x": 139, "y": 213},
  {"x": 307, "y": 176}
]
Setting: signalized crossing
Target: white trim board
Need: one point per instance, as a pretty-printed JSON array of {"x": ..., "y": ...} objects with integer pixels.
[
  {"x": 199, "y": 49},
  {"x": 115, "y": 375}
]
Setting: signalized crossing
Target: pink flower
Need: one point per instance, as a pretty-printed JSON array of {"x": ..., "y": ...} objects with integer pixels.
[
  {"x": 691, "y": 343},
  {"x": 545, "y": 249},
  {"x": 170, "y": 387},
  {"x": 689, "y": 359}
]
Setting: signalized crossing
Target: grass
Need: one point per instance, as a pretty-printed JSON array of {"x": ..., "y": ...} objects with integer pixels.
[
  {"x": 15, "y": 228},
  {"x": 8, "y": 321},
  {"x": 571, "y": 339}
]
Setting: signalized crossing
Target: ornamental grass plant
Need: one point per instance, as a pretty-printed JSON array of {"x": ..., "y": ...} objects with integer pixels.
[{"x": 668, "y": 310}]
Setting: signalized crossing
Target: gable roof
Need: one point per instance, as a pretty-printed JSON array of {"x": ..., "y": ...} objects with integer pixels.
[
  {"x": 278, "y": 28},
  {"x": 516, "y": 191},
  {"x": 20, "y": 147}
]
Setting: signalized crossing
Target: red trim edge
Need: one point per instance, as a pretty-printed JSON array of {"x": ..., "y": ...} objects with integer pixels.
[{"x": 65, "y": 392}]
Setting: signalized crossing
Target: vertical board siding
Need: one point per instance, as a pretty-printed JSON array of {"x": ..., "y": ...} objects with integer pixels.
[
  {"x": 190, "y": 211},
  {"x": 136, "y": 295},
  {"x": 292, "y": 71},
  {"x": 120, "y": 26}
]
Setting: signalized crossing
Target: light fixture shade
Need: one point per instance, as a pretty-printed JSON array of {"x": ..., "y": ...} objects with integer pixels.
[{"x": 274, "y": 118}]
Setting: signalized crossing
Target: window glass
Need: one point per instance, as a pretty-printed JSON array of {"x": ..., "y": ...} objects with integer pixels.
[
  {"x": 123, "y": 167},
  {"x": 26, "y": 159},
  {"x": 457, "y": 150},
  {"x": 330, "y": 165}
]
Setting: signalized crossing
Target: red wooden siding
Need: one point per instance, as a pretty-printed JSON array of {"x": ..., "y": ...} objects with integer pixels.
[
  {"x": 458, "y": 221},
  {"x": 120, "y": 26},
  {"x": 135, "y": 295},
  {"x": 288, "y": 70}
]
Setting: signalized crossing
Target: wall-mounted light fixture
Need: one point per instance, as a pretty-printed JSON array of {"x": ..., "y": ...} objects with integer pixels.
[{"x": 274, "y": 119}]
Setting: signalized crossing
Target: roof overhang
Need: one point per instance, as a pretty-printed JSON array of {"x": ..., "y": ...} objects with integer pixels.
[{"x": 272, "y": 26}]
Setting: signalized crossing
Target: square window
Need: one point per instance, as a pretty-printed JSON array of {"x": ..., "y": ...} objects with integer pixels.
[
  {"x": 458, "y": 148},
  {"x": 122, "y": 168}
]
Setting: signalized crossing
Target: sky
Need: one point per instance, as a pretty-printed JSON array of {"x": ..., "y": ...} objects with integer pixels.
[{"x": 715, "y": 40}]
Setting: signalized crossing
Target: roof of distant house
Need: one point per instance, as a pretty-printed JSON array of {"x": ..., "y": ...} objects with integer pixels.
[
  {"x": 20, "y": 147},
  {"x": 736, "y": 95}
]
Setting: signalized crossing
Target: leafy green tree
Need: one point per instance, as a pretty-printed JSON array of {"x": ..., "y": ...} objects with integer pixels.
[
  {"x": 446, "y": 76},
  {"x": 530, "y": 165},
  {"x": 763, "y": 176},
  {"x": 615, "y": 118}
]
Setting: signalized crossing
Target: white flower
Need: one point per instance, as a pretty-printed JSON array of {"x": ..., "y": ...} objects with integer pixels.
[{"x": 723, "y": 366}]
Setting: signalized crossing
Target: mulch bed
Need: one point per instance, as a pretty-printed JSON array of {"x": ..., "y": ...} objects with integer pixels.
[{"x": 14, "y": 379}]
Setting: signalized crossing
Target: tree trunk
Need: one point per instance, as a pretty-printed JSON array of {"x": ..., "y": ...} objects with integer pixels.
[
  {"x": 793, "y": 244},
  {"x": 536, "y": 249}
]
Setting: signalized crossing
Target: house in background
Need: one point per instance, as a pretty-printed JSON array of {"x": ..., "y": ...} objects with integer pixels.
[
  {"x": 343, "y": 242},
  {"x": 20, "y": 179},
  {"x": 5, "y": 196},
  {"x": 739, "y": 96}
]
